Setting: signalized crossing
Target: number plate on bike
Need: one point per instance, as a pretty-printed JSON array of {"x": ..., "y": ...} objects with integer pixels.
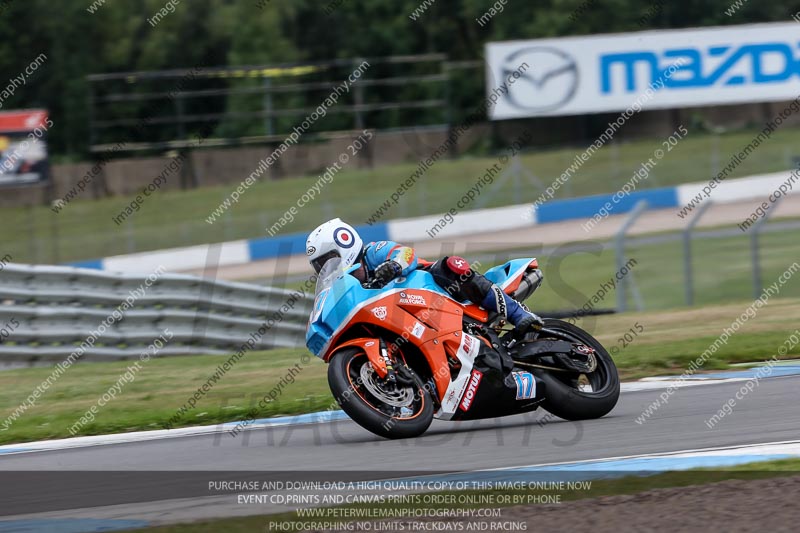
[{"x": 526, "y": 385}]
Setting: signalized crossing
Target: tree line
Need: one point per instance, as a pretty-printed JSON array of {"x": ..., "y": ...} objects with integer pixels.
[{"x": 82, "y": 37}]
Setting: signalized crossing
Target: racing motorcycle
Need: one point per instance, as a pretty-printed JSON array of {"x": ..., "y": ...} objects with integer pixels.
[{"x": 404, "y": 353}]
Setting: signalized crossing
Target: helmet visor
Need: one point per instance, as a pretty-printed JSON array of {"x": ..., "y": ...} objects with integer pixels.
[{"x": 320, "y": 261}]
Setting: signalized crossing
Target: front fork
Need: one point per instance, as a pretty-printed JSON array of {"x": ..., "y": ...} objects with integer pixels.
[
  {"x": 391, "y": 376},
  {"x": 384, "y": 364}
]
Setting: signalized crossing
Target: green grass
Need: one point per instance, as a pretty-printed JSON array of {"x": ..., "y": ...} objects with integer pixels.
[
  {"x": 85, "y": 229},
  {"x": 160, "y": 388},
  {"x": 722, "y": 273},
  {"x": 669, "y": 341},
  {"x": 603, "y": 487}
]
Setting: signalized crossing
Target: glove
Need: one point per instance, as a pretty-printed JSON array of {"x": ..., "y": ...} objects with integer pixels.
[
  {"x": 532, "y": 323},
  {"x": 387, "y": 271}
]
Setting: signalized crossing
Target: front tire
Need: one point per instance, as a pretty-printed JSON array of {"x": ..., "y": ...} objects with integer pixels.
[
  {"x": 570, "y": 403},
  {"x": 398, "y": 412}
]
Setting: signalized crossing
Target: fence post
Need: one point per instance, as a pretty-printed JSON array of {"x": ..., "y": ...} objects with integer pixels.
[
  {"x": 267, "y": 106},
  {"x": 687, "y": 251},
  {"x": 33, "y": 241},
  {"x": 130, "y": 235},
  {"x": 179, "y": 112},
  {"x": 619, "y": 239},
  {"x": 448, "y": 106},
  {"x": 358, "y": 97},
  {"x": 754, "y": 248},
  {"x": 56, "y": 259}
]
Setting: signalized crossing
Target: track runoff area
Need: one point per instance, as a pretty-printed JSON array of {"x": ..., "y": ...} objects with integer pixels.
[{"x": 329, "y": 471}]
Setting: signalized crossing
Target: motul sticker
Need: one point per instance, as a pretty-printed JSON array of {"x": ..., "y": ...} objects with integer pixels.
[
  {"x": 472, "y": 389},
  {"x": 467, "y": 351}
]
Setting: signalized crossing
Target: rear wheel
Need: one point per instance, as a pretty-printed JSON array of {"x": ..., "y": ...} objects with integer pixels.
[
  {"x": 391, "y": 410},
  {"x": 574, "y": 395}
]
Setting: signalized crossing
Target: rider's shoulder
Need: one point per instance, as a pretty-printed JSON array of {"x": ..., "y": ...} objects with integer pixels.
[{"x": 378, "y": 245}]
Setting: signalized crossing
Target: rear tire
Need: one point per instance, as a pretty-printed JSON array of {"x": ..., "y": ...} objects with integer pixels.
[
  {"x": 359, "y": 401},
  {"x": 564, "y": 400}
]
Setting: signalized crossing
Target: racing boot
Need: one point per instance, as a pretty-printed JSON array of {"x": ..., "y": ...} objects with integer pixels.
[{"x": 516, "y": 313}]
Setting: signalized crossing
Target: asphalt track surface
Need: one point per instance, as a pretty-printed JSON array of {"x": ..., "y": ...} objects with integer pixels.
[{"x": 768, "y": 414}]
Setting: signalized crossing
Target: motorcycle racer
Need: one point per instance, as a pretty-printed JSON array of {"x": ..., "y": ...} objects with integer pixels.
[{"x": 384, "y": 261}]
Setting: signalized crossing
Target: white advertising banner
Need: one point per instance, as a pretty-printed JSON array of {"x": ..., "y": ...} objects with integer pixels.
[{"x": 607, "y": 73}]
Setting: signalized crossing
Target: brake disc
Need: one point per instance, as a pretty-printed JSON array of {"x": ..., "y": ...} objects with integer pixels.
[{"x": 398, "y": 397}]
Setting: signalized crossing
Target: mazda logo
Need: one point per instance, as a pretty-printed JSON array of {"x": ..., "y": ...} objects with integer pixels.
[{"x": 548, "y": 85}]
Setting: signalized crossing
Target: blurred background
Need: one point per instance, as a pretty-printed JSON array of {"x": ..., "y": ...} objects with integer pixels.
[{"x": 200, "y": 92}]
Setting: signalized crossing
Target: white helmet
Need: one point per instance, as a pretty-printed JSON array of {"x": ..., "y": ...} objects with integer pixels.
[{"x": 333, "y": 239}]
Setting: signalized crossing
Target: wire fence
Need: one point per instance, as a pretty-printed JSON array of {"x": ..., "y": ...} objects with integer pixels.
[{"x": 672, "y": 269}]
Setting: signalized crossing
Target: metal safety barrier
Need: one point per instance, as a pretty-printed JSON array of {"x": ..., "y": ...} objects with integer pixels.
[{"x": 49, "y": 312}]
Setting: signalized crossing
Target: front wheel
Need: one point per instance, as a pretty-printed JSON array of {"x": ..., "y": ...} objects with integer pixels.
[
  {"x": 575, "y": 396},
  {"x": 391, "y": 410}
]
